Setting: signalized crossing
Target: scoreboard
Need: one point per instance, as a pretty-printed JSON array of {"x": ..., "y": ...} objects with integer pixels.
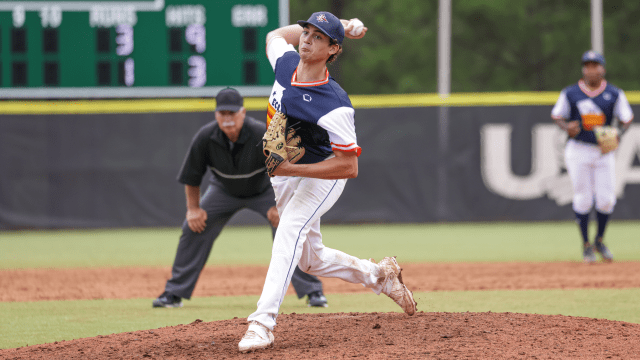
[{"x": 136, "y": 48}]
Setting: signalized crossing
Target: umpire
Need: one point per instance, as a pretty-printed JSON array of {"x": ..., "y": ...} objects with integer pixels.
[{"x": 228, "y": 147}]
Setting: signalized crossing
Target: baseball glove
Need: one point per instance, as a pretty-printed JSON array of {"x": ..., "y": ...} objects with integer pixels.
[
  {"x": 277, "y": 147},
  {"x": 607, "y": 137},
  {"x": 295, "y": 150}
]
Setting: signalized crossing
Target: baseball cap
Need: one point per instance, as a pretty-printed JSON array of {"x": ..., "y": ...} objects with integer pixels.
[
  {"x": 328, "y": 23},
  {"x": 592, "y": 56},
  {"x": 229, "y": 99}
]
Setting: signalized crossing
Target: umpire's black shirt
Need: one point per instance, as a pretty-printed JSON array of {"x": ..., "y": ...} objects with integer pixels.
[{"x": 238, "y": 169}]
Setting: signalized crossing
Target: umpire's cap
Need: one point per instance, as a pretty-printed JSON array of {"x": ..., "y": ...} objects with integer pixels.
[
  {"x": 328, "y": 23},
  {"x": 593, "y": 56},
  {"x": 229, "y": 99}
]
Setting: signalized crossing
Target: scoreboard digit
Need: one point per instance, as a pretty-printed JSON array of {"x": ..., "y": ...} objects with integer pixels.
[{"x": 135, "y": 48}]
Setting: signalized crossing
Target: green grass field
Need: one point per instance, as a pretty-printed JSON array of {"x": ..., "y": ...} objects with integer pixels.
[{"x": 47, "y": 321}]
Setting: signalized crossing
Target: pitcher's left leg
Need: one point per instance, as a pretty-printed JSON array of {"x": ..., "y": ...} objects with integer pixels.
[
  {"x": 304, "y": 284},
  {"x": 312, "y": 198}
]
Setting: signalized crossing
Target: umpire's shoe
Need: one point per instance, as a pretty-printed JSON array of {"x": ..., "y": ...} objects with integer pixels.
[
  {"x": 167, "y": 300},
  {"x": 317, "y": 299},
  {"x": 393, "y": 286},
  {"x": 588, "y": 255},
  {"x": 257, "y": 337},
  {"x": 601, "y": 249}
]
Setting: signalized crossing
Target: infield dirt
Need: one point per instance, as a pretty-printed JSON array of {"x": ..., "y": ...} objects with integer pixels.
[{"x": 346, "y": 335}]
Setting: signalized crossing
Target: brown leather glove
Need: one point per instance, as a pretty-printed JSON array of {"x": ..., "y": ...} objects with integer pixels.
[
  {"x": 607, "y": 137},
  {"x": 274, "y": 143}
]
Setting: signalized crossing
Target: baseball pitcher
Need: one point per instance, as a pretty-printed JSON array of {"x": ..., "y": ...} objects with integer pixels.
[{"x": 309, "y": 110}]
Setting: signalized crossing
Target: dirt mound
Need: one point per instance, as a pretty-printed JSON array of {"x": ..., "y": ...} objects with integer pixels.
[
  {"x": 367, "y": 336},
  {"x": 339, "y": 335}
]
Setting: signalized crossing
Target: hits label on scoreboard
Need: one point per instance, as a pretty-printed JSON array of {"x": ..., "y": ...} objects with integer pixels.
[{"x": 154, "y": 48}]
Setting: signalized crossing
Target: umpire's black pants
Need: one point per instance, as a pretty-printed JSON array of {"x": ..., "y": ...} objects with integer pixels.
[{"x": 194, "y": 249}]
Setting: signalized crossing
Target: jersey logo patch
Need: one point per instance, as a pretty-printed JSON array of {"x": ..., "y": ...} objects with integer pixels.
[
  {"x": 606, "y": 96},
  {"x": 306, "y": 97}
]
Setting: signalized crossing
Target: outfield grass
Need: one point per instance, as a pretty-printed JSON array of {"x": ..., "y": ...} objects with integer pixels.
[
  {"x": 467, "y": 242},
  {"x": 47, "y": 321}
]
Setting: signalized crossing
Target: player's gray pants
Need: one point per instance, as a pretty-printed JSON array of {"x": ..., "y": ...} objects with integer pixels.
[{"x": 194, "y": 249}]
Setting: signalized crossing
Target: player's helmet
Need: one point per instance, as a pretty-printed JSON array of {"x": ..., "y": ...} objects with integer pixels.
[{"x": 593, "y": 56}]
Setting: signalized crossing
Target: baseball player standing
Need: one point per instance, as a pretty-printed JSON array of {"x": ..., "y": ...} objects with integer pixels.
[
  {"x": 320, "y": 112},
  {"x": 582, "y": 110},
  {"x": 227, "y": 146}
]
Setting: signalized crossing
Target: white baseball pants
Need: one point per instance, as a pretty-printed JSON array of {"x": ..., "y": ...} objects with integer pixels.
[
  {"x": 301, "y": 202},
  {"x": 592, "y": 175}
]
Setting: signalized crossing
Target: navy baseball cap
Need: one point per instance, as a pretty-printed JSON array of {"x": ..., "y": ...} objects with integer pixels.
[
  {"x": 328, "y": 23},
  {"x": 229, "y": 100},
  {"x": 592, "y": 56}
]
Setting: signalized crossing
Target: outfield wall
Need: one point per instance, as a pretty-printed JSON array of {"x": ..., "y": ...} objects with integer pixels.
[{"x": 113, "y": 164}]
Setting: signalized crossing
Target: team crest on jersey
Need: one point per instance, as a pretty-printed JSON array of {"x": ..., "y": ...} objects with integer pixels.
[
  {"x": 306, "y": 97},
  {"x": 606, "y": 96},
  {"x": 322, "y": 18}
]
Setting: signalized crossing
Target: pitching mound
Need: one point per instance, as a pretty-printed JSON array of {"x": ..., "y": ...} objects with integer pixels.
[
  {"x": 354, "y": 335},
  {"x": 367, "y": 336}
]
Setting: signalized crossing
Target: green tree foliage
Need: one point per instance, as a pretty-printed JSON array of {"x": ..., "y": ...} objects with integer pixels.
[
  {"x": 398, "y": 53},
  {"x": 622, "y": 43},
  {"x": 497, "y": 45},
  {"x": 504, "y": 45}
]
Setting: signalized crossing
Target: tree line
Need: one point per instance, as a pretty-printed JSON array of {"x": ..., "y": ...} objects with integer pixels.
[{"x": 497, "y": 45}]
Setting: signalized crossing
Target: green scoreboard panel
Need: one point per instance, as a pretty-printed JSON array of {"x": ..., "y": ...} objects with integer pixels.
[{"x": 136, "y": 48}]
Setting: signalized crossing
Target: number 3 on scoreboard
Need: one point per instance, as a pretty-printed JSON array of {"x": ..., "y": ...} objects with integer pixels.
[
  {"x": 124, "y": 39},
  {"x": 197, "y": 71}
]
